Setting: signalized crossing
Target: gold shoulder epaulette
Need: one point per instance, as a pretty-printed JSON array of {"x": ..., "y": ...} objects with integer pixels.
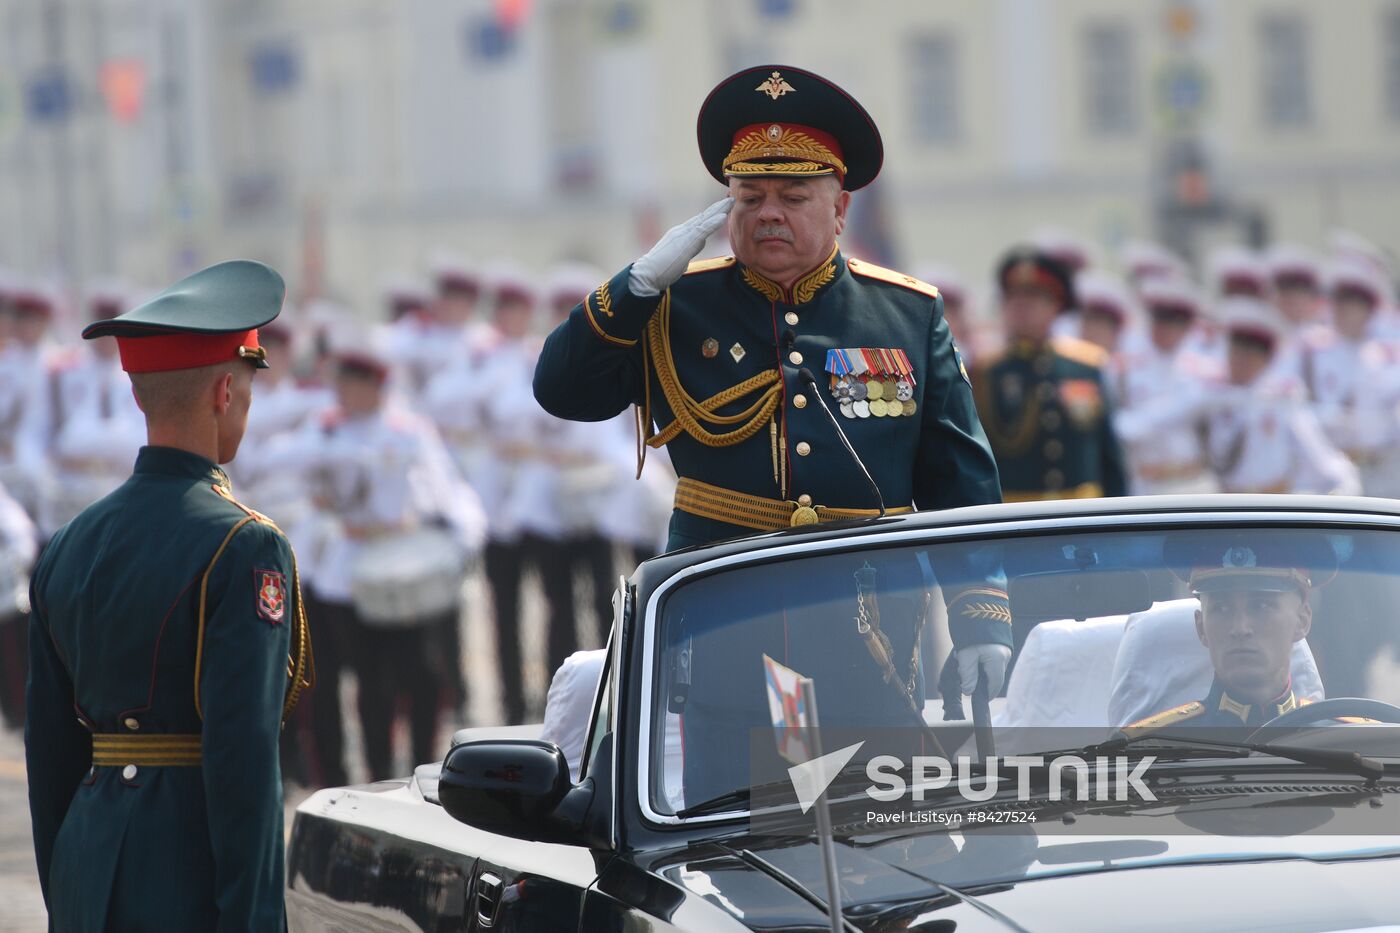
[
  {"x": 1081, "y": 351},
  {"x": 709, "y": 265},
  {"x": 1170, "y": 717},
  {"x": 252, "y": 513},
  {"x": 872, "y": 271}
]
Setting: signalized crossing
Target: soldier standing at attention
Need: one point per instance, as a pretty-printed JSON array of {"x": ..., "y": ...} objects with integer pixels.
[
  {"x": 1043, "y": 399},
  {"x": 167, "y": 645},
  {"x": 732, "y": 360}
]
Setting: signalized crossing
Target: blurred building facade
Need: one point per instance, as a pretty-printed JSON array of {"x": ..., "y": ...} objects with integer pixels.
[{"x": 344, "y": 140}]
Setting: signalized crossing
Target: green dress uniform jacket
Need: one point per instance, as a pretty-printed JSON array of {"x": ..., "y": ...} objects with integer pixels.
[
  {"x": 165, "y": 613},
  {"x": 1047, "y": 414},
  {"x": 715, "y": 361}
]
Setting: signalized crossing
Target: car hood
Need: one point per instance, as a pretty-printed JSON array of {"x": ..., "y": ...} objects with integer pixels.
[{"x": 982, "y": 881}]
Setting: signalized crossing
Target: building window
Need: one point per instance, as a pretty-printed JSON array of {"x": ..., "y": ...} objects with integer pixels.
[
  {"x": 934, "y": 65},
  {"x": 1284, "y": 79},
  {"x": 1391, "y": 38},
  {"x": 1110, "y": 80}
]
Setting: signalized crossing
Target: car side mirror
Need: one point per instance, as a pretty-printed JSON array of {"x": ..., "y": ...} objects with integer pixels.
[{"x": 512, "y": 787}]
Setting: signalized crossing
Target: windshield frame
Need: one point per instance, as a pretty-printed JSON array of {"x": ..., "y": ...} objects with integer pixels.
[{"x": 981, "y": 531}]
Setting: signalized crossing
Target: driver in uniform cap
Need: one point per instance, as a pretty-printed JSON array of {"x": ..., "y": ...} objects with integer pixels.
[
  {"x": 168, "y": 644},
  {"x": 1253, "y": 591},
  {"x": 730, "y": 360}
]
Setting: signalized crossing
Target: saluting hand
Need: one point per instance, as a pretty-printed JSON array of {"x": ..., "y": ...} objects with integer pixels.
[{"x": 666, "y": 261}]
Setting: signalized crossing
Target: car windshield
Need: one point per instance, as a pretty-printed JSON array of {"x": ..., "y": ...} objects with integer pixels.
[{"x": 1110, "y": 629}]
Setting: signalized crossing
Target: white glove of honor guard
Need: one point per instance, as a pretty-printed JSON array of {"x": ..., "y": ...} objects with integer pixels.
[
  {"x": 990, "y": 659},
  {"x": 666, "y": 261}
]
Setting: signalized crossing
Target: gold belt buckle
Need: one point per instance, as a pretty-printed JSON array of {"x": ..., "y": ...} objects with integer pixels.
[{"x": 804, "y": 515}]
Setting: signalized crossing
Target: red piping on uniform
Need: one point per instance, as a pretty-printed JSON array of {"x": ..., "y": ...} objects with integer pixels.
[{"x": 155, "y": 658}]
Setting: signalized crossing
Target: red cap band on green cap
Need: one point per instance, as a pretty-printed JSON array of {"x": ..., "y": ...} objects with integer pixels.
[{"x": 166, "y": 352}]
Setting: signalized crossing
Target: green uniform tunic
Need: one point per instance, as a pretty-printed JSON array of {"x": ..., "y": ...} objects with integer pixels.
[
  {"x": 1047, "y": 414},
  {"x": 114, "y": 643}
]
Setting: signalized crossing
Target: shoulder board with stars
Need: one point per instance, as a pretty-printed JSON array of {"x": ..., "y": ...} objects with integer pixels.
[
  {"x": 1080, "y": 351},
  {"x": 709, "y": 265},
  {"x": 871, "y": 271},
  {"x": 1170, "y": 717}
]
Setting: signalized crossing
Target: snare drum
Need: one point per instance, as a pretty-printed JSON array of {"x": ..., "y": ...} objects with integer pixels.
[{"x": 405, "y": 579}]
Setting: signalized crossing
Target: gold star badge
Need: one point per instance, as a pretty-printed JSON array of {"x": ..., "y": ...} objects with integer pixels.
[{"x": 775, "y": 86}]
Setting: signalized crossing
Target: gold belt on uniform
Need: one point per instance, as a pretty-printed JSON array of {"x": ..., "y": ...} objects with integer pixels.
[
  {"x": 1082, "y": 491},
  {"x": 746, "y": 511},
  {"x": 118, "y": 749}
]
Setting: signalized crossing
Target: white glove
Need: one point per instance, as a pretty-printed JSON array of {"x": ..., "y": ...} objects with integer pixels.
[
  {"x": 991, "y": 659},
  {"x": 666, "y": 261}
]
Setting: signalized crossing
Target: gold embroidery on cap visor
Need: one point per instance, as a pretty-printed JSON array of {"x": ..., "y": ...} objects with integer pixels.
[
  {"x": 255, "y": 354},
  {"x": 800, "y": 154}
]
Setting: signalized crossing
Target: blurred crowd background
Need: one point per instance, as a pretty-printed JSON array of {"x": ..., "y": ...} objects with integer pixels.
[{"x": 440, "y": 182}]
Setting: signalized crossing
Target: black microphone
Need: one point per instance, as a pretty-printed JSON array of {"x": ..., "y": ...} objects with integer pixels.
[{"x": 806, "y": 375}]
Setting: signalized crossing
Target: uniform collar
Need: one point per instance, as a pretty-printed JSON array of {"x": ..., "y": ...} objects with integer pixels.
[
  {"x": 805, "y": 289},
  {"x": 1221, "y": 702},
  {"x": 171, "y": 461},
  {"x": 1028, "y": 349}
]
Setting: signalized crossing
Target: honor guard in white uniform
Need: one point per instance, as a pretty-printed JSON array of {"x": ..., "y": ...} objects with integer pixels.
[
  {"x": 411, "y": 330},
  {"x": 1108, "y": 313},
  {"x": 392, "y": 570},
  {"x": 19, "y": 544},
  {"x": 1353, "y": 380},
  {"x": 98, "y": 427},
  {"x": 536, "y": 518},
  {"x": 1236, "y": 272},
  {"x": 1142, "y": 260},
  {"x": 26, "y": 402},
  {"x": 1067, "y": 247},
  {"x": 1295, "y": 282},
  {"x": 456, "y": 321},
  {"x": 284, "y": 407},
  {"x": 1261, "y": 434},
  {"x": 1162, "y": 388}
]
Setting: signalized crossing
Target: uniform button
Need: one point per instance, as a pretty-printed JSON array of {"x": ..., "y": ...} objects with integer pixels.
[
  {"x": 799, "y": 401},
  {"x": 1054, "y": 450},
  {"x": 790, "y": 317},
  {"x": 1045, "y": 391},
  {"x": 803, "y": 448},
  {"x": 795, "y": 358},
  {"x": 804, "y": 499},
  {"x": 1054, "y": 480},
  {"x": 129, "y": 773},
  {"x": 1050, "y": 421},
  {"x": 131, "y": 723}
]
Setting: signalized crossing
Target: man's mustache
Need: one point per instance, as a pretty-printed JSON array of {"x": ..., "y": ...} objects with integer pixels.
[{"x": 782, "y": 233}]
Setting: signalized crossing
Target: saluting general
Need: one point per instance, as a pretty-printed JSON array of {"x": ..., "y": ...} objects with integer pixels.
[
  {"x": 715, "y": 351},
  {"x": 731, "y": 360},
  {"x": 168, "y": 645}
]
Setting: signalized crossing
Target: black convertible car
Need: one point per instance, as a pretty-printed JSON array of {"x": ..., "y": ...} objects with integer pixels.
[{"x": 681, "y": 817}]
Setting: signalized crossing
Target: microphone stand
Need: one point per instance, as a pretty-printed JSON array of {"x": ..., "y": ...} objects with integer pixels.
[{"x": 806, "y": 376}]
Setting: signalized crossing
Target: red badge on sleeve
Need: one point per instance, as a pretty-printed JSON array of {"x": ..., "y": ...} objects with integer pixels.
[{"x": 272, "y": 595}]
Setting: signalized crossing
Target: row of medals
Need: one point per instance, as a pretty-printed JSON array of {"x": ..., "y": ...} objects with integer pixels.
[{"x": 873, "y": 397}]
